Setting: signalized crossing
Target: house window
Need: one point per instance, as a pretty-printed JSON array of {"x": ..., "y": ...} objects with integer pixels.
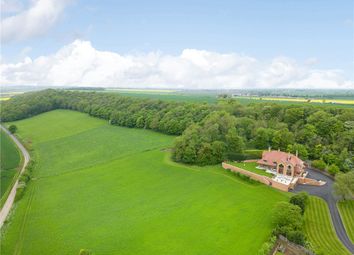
[{"x": 288, "y": 170}]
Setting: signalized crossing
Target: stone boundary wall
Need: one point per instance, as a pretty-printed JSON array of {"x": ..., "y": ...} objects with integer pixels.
[
  {"x": 308, "y": 181},
  {"x": 280, "y": 186},
  {"x": 263, "y": 179},
  {"x": 250, "y": 160}
]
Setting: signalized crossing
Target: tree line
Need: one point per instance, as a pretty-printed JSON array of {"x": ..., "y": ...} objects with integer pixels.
[{"x": 210, "y": 133}]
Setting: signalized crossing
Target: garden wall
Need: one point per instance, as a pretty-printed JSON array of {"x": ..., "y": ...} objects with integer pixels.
[
  {"x": 251, "y": 160},
  {"x": 280, "y": 186},
  {"x": 308, "y": 181},
  {"x": 263, "y": 179}
]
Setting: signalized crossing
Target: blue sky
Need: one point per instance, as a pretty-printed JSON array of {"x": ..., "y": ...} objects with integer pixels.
[{"x": 312, "y": 31}]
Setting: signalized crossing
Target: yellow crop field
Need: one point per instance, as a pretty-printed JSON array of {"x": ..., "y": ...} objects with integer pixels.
[{"x": 299, "y": 99}]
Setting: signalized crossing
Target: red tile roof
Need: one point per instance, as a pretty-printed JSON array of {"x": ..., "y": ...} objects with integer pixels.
[{"x": 268, "y": 157}]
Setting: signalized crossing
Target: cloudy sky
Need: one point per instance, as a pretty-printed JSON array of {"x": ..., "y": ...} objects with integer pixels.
[{"x": 178, "y": 44}]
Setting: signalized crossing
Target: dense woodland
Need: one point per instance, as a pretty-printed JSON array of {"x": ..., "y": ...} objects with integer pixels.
[{"x": 210, "y": 133}]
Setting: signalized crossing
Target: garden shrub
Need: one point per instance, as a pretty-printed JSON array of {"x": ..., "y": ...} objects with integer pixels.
[
  {"x": 248, "y": 154},
  {"x": 319, "y": 164},
  {"x": 236, "y": 156},
  {"x": 300, "y": 200},
  {"x": 297, "y": 237},
  {"x": 333, "y": 169},
  {"x": 287, "y": 219}
]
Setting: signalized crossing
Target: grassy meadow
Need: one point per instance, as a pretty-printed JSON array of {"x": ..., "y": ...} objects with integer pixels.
[
  {"x": 114, "y": 190},
  {"x": 211, "y": 98},
  {"x": 9, "y": 161},
  {"x": 346, "y": 209},
  {"x": 319, "y": 229}
]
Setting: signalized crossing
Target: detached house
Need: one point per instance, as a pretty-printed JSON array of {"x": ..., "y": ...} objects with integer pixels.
[{"x": 282, "y": 162}]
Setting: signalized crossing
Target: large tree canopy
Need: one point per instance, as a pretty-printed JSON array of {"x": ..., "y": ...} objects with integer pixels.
[
  {"x": 211, "y": 132},
  {"x": 210, "y": 141}
]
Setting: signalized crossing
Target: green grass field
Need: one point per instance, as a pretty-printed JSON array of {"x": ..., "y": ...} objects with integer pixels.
[
  {"x": 252, "y": 167},
  {"x": 174, "y": 96},
  {"x": 319, "y": 229},
  {"x": 346, "y": 209},
  {"x": 211, "y": 98},
  {"x": 115, "y": 190},
  {"x": 9, "y": 161}
]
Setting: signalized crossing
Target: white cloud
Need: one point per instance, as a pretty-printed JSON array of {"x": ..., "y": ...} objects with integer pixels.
[
  {"x": 80, "y": 64},
  {"x": 10, "y": 6},
  {"x": 34, "y": 21}
]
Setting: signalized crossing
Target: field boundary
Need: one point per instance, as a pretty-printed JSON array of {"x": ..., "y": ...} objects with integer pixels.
[
  {"x": 18, "y": 169},
  {"x": 5, "y": 210}
]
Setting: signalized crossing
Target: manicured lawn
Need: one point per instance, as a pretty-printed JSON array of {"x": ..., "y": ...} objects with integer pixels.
[
  {"x": 319, "y": 229},
  {"x": 346, "y": 209},
  {"x": 9, "y": 161},
  {"x": 115, "y": 190},
  {"x": 252, "y": 167}
]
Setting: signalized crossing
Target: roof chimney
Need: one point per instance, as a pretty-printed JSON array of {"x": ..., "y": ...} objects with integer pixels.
[
  {"x": 297, "y": 153},
  {"x": 268, "y": 148},
  {"x": 278, "y": 149}
]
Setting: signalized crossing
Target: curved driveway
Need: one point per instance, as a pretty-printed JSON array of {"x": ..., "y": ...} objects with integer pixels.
[
  {"x": 5, "y": 210},
  {"x": 326, "y": 193}
]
